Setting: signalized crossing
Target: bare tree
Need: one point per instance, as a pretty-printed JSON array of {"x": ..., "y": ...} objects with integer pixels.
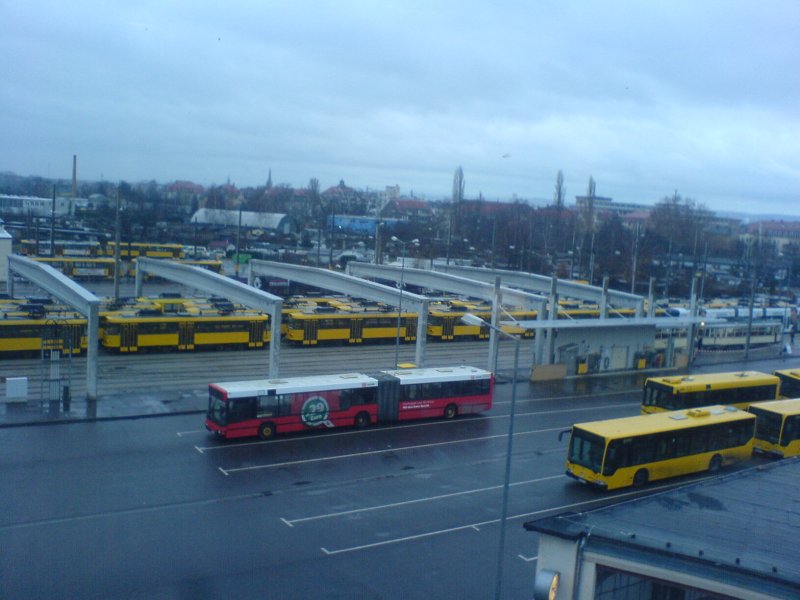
[{"x": 560, "y": 192}]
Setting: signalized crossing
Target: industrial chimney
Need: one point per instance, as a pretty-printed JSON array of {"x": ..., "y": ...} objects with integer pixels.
[{"x": 74, "y": 175}]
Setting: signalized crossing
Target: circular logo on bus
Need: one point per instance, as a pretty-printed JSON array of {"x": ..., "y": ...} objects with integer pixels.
[{"x": 315, "y": 411}]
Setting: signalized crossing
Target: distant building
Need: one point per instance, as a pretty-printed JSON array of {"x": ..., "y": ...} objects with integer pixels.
[
  {"x": 732, "y": 537},
  {"x": 40, "y": 207},
  {"x": 359, "y": 225},
  {"x": 607, "y": 205},
  {"x": 781, "y": 233},
  {"x": 5, "y": 252},
  {"x": 408, "y": 209},
  {"x": 278, "y": 223}
]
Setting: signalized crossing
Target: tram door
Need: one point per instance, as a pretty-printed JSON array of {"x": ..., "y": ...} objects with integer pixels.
[
  {"x": 356, "y": 331},
  {"x": 310, "y": 328},
  {"x": 256, "y": 334},
  {"x": 185, "y": 335},
  {"x": 448, "y": 328},
  {"x": 411, "y": 329},
  {"x": 128, "y": 337}
]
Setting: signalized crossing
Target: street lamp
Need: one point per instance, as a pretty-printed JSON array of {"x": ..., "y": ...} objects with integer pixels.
[
  {"x": 397, "y": 240},
  {"x": 471, "y": 319}
]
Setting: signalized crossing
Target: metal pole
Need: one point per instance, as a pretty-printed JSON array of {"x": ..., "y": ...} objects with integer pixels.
[
  {"x": 53, "y": 226},
  {"x": 506, "y": 481},
  {"x": 399, "y": 307},
  {"x": 238, "y": 238},
  {"x": 117, "y": 241}
]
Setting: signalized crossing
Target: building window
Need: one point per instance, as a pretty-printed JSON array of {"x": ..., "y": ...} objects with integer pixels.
[{"x": 613, "y": 584}]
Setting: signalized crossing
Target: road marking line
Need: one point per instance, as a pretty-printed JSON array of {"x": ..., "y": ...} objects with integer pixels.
[
  {"x": 234, "y": 446},
  {"x": 291, "y": 522},
  {"x": 575, "y": 396},
  {"x": 398, "y": 540},
  {"x": 475, "y": 526},
  {"x": 193, "y": 432},
  {"x": 526, "y": 559},
  {"x": 203, "y": 449},
  {"x": 384, "y": 451}
]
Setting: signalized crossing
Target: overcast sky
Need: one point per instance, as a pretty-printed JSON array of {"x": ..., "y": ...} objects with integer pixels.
[{"x": 702, "y": 97}]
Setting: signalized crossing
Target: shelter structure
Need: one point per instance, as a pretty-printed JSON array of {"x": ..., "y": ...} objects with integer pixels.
[
  {"x": 69, "y": 292},
  {"x": 351, "y": 286}
]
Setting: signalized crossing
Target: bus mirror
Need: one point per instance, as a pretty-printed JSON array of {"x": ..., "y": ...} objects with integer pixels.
[{"x": 561, "y": 433}]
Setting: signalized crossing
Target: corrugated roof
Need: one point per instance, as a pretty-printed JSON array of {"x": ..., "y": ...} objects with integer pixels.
[{"x": 743, "y": 526}]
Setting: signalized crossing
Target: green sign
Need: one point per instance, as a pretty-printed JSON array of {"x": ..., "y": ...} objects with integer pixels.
[{"x": 315, "y": 412}]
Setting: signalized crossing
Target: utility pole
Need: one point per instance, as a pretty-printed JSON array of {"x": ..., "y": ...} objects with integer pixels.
[
  {"x": 116, "y": 247},
  {"x": 53, "y": 225}
]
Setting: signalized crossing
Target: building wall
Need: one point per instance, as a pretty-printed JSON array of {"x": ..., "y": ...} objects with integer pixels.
[
  {"x": 610, "y": 348},
  {"x": 578, "y": 580},
  {"x": 5, "y": 252}
]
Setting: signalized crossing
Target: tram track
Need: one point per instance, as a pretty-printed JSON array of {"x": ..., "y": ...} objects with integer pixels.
[{"x": 192, "y": 371}]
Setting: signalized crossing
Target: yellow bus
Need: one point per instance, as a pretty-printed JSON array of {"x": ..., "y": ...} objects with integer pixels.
[
  {"x": 777, "y": 427},
  {"x": 738, "y": 389},
  {"x": 790, "y": 383},
  {"x": 130, "y": 250},
  {"x": 80, "y": 267},
  {"x": 634, "y": 450}
]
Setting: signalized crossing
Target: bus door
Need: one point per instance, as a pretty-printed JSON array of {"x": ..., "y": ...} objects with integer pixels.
[
  {"x": 356, "y": 331},
  {"x": 388, "y": 397},
  {"x": 256, "y": 334},
  {"x": 310, "y": 327},
  {"x": 186, "y": 335},
  {"x": 448, "y": 327},
  {"x": 128, "y": 337}
]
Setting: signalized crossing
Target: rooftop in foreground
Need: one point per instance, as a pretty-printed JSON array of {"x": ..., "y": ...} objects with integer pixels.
[{"x": 741, "y": 528}]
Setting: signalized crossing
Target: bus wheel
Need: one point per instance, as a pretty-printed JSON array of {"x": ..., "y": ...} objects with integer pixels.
[
  {"x": 715, "y": 464},
  {"x": 451, "y": 411},
  {"x": 641, "y": 477},
  {"x": 266, "y": 431},
  {"x": 362, "y": 419}
]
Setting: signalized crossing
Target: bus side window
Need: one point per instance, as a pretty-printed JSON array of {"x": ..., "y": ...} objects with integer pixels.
[
  {"x": 268, "y": 406},
  {"x": 698, "y": 442},
  {"x": 716, "y": 437},
  {"x": 683, "y": 443},
  {"x": 643, "y": 450},
  {"x": 618, "y": 455},
  {"x": 274, "y": 406},
  {"x": 241, "y": 409},
  {"x": 345, "y": 399}
]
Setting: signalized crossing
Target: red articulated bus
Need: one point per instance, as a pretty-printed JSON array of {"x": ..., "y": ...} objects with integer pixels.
[{"x": 267, "y": 406}]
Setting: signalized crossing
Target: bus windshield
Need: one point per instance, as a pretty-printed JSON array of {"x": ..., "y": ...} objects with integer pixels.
[
  {"x": 217, "y": 411},
  {"x": 790, "y": 383},
  {"x": 768, "y": 424},
  {"x": 586, "y": 449},
  {"x": 656, "y": 394}
]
